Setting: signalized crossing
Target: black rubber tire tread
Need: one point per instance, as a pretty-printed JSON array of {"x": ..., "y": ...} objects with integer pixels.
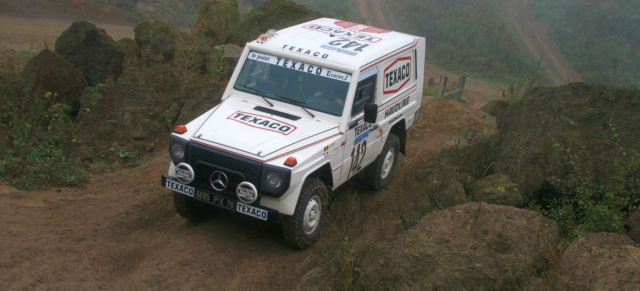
[
  {"x": 372, "y": 172},
  {"x": 292, "y": 230},
  {"x": 187, "y": 207}
]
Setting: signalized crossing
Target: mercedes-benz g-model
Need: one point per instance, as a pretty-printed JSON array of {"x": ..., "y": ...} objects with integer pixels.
[{"x": 306, "y": 109}]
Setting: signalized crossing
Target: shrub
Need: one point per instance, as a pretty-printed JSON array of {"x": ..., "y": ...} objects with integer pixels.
[
  {"x": 37, "y": 158},
  {"x": 518, "y": 89},
  {"x": 584, "y": 205}
]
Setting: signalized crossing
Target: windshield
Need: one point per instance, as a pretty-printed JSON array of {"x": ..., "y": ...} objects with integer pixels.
[{"x": 294, "y": 82}]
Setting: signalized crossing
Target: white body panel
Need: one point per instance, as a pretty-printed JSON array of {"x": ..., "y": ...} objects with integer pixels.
[{"x": 393, "y": 62}]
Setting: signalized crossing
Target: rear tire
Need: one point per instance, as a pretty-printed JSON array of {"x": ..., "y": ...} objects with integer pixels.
[
  {"x": 187, "y": 207},
  {"x": 379, "y": 173},
  {"x": 302, "y": 229}
]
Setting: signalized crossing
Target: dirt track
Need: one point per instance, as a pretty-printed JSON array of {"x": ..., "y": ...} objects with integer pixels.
[
  {"x": 121, "y": 233},
  {"x": 556, "y": 67}
]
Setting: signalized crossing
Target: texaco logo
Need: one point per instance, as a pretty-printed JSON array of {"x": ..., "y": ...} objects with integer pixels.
[{"x": 219, "y": 180}]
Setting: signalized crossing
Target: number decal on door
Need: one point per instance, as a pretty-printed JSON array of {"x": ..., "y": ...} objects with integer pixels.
[{"x": 357, "y": 157}]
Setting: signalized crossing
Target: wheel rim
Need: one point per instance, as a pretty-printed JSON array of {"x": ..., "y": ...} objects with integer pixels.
[
  {"x": 312, "y": 214},
  {"x": 388, "y": 163}
]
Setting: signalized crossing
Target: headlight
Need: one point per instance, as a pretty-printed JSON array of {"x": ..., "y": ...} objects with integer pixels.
[
  {"x": 275, "y": 181},
  {"x": 177, "y": 148},
  {"x": 177, "y": 151}
]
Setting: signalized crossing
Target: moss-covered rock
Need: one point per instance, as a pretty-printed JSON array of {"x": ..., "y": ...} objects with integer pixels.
[
  {"x": 474, "y": 246},
  {"x": 50, "y": 72},
  {"x": 91, "y": 50},
  {"x": 218, "y": 20},
  {"x": 578, "y": 118},
  {"x": 273, "y": 14},
  {"x": 157, "y": 40},
  {"x": 496, "y": 189},
  {"x": 132, "y": 52}
]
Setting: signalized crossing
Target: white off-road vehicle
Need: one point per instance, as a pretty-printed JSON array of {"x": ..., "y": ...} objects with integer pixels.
[{"x": 306, "y": 109}]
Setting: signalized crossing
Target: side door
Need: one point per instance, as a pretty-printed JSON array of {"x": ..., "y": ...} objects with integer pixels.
[{"x": 361, "y": 136}]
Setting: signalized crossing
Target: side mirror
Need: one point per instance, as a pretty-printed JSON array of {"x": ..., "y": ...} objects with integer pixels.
[{"x": 370, "y": 112}]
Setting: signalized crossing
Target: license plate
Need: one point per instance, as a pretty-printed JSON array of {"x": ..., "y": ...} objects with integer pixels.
[
  {"x": 182, "y": 189},
  {"x": 252, "y": 211},
  {"x": 216, "y": 200}
]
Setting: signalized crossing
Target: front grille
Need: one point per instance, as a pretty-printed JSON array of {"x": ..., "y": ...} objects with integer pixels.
[{"x": 206, "y": 160}]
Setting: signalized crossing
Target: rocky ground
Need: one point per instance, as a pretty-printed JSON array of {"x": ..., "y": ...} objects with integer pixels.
[{"x": 452, "y": 217}]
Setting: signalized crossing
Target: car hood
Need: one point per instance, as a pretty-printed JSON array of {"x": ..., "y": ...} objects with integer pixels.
[{"x": 260, "y": 132}]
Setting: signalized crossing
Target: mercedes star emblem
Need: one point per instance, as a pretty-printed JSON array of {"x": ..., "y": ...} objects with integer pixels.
[{"x": 219, "y": 180}]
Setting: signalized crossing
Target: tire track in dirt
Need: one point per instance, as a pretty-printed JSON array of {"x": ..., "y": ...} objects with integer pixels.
[{"x": 534, "y": 36}]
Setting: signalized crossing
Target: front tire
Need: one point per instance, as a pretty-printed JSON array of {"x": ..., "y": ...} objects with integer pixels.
[
  {"x": 187, "y": 207},
  {"x": 302, "y": 229},
  {"x": 379, "y": 173}
]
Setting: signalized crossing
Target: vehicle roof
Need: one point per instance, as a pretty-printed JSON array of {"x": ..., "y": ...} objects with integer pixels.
[{"x": 342, "y": 42}]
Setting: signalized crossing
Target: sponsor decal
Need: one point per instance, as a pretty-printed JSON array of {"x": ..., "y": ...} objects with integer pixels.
[
  {"x": 326, "y": 151},
  {"x": 360, "y": 27},
  {"x": 182, "y": 189},
  {"x": 263, "y": 122},
  {"x": 342, "y": 32},
  {"x": 346, "y": 46},
  {"x": 380, "y": 132},
  {"x": 362, "y": 127},
  {"x": 300, "y": 66},
  {"x": 362, "y": 137},
  {"x": 397, "y": 106},
  {"x": 396, "y": 75},
  {"x": 252, "y": 211},
  {"x": 305, "y": 51},
  {"x": 344, "y": 51}
]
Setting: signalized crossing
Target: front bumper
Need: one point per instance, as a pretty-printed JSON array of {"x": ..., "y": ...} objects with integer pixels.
[{"x": 218, "y": 200}]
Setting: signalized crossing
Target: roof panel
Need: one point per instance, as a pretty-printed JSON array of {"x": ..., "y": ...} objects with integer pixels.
[{"x": 342, "y": 42}]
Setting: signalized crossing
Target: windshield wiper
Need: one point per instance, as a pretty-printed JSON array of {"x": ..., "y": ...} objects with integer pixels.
[
  {"x": 297, "y": 103},
  {"x": 258, "y": 91}
]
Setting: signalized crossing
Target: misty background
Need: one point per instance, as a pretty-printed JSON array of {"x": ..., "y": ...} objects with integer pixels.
[{"x": 588, "y": 40}]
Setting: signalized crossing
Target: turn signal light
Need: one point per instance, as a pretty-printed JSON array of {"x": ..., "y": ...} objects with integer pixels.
[
  {"x": 291, "y": 162},
  {"x": 180, "y": 129}
]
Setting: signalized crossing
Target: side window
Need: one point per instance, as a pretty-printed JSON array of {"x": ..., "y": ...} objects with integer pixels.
[{"x": 365, "y": 93}]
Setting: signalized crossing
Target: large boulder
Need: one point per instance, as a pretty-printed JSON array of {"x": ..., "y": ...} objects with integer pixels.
[
  {"x": 10, "y": 62},
  {"x": 197, "y": 103},
  {"x": 449, "y": 193},
  {"x": 50, "y": 72},
  {"x": 599, "y": 261},
  {"x": 127, "y": 114},
  {"x": 494, "y": 107},
  {"x": 10, "y": 66},
  {"x": 472, "y": 246},
  {"x": 157, "y": 40},
  {"x": 273, "y": 14},
  {"x": 218, "y": 20},
  {"x": 90, "y": 49},
  {"x": 132, "y": 53},
  {"x": 496, "y": 189},
  {"x": 578, "y": 117}
]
